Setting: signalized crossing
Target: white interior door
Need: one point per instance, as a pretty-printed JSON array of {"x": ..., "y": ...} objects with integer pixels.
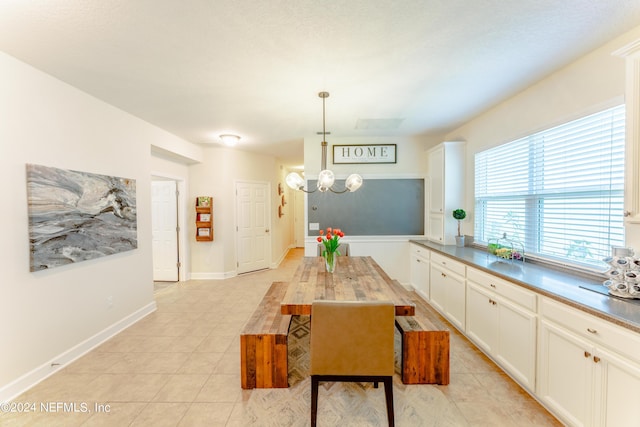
[
  {"x": 252, "y": 200},
  {"x": 164, "y": 226}
]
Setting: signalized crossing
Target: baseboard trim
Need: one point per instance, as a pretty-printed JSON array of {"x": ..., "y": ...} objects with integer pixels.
[
  {"x": 30, "y": 379},
  {"x": 212, "y": 276},
  {"x": 277, "y": 263}
]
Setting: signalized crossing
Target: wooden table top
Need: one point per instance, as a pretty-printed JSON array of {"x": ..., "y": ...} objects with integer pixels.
[{"x": 355, "y": 279}]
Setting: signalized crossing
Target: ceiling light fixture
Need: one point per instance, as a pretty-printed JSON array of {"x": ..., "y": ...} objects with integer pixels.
[
  {"x": 230, "y": 140},
  {"x": 326, "y": 178}
]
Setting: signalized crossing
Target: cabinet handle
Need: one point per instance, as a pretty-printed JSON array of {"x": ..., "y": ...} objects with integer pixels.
[
  {"x": 493, "y": 302},
  {"x": 492, "y": 285},
  {"x": 443, "y": 275},
  {"x": 418, "y": 260},
  {"x": 596, "y": 359},
  {"x": 592, "y": 331},
  {"x": 587, "y": 354}
]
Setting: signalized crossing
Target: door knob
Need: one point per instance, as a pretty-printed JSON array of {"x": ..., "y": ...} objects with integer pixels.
[{"x": 266, "y": 231}]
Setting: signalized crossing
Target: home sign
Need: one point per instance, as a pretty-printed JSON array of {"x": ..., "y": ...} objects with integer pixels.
[{"x": 363, "y": 153}]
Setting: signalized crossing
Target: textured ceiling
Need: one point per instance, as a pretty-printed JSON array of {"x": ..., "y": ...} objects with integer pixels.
[{"x": 199, "y": 68}]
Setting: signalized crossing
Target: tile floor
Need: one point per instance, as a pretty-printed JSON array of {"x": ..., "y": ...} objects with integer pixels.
[{"x": 179, "y": 366}]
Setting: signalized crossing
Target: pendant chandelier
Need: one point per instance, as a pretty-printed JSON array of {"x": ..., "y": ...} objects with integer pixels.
[{"x": 326, "y": 178}]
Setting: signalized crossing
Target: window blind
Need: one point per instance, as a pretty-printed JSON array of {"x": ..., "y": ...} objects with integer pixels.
[{"x": 559, "y": 192}]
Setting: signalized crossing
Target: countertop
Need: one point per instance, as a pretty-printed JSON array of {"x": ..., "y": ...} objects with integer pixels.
[{"x": 563, "y": 286}]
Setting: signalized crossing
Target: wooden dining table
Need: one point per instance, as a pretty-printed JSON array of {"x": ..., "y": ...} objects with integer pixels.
[{"x": 356, "y": 278}]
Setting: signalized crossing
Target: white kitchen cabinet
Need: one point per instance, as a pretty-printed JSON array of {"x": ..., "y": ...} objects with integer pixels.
[
  {"x": 585, "y": 374},
  {"x": 482, "y": 318},
  {"x": 565, "y": 380},
  {"x": 448, "y": 288},
  {"x": 631, "y": 53},
  {"x": 502, "y": 321},
  {"x": 436, "y": 228},
  {"x": 516, "y": 351},
  {"x": 617, "y": 380},
  {"x": 446, "y": 190},
  {"x": 436, "y": 175},
  {"x": 419, "y": 271},
  {"x": 438, "y": 295}
]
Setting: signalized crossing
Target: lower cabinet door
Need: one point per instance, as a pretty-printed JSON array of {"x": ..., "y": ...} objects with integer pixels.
[
  {"x": 420, "y": 276},
  {"x": 448, "y": 292},
  {"x": 414, "y": 272},
  {"x": 456, "y": 300},
  {"x": 438, "y": 288},
  {"x": 566, "y": 374},
  {"x": 516, "y": 349},
  {"x": 618, "y": 379},
  {"x": 482, "y": 318}
]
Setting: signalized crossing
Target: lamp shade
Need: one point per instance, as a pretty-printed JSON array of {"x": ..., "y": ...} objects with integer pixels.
[
  {"x": 353, "y": 182},
  {"x": 294, "y": 181},
  {"x": 326, "y": 178}
]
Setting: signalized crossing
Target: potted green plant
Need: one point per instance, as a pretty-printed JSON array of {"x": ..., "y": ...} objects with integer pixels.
[{"x": 459, "y": 215}]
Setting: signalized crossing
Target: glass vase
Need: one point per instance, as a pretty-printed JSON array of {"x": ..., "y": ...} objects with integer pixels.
[{"x": 330, "y": 261}]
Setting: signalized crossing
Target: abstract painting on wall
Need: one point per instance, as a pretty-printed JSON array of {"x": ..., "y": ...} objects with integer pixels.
[{"x": 77, "y": 216}]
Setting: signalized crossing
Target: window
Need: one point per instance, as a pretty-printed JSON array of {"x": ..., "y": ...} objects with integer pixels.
[{"x": 559, "y": 192}]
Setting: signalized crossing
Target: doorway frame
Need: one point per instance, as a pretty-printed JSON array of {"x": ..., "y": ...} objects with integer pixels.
[
  {"x": 269, "y": 220},
  {"x": 183, "y": 209}
]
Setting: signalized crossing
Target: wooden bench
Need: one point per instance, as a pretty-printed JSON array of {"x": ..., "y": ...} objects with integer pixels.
[
  {"x": 425, "y": 343},
  {"x": 263, "y": 343}
]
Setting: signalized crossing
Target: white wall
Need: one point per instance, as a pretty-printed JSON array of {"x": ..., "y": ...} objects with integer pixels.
[
  {"x": 592, "y": 83},
  {"x": 53, "y": 316},
  {"x": 411, "y": 158},
  {"x": 217, "y": 176}
]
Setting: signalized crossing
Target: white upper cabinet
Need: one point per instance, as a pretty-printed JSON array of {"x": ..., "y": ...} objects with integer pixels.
[
  {"x": 436, "y": 174},
  {"x": 631, "y": 53},
  {"x": 446, "y": 190}
]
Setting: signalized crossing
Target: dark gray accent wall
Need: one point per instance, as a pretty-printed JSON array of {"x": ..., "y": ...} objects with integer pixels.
[{"x": 381, "y": 207}]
